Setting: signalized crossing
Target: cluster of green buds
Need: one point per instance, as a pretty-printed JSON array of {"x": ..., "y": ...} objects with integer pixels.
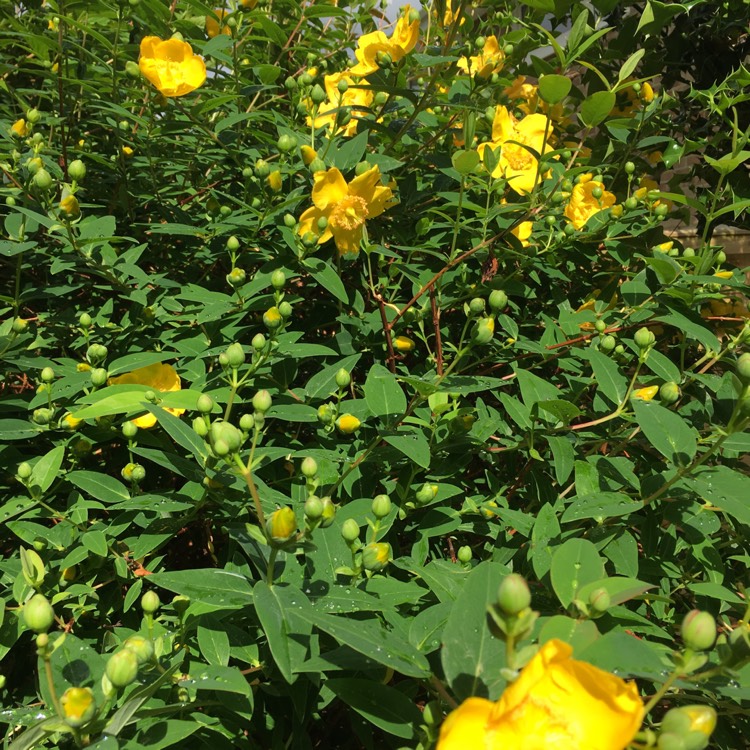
[
  {"x": 329, "y": 414},
  {"x": 483, "y": 329},
  {"x": 96, "y": 355},
  {"x": 319, "y": 512},
  {"x": 45, "y": 415},
  {"x": 237, "y": 276},
  {"x": 373, "y": 556},
  {"x": 423, "y": 496},
  {"x": 683, "y": 728},
  {"x": 644, "y": 340},
  {"x": 510, "y": 616}
]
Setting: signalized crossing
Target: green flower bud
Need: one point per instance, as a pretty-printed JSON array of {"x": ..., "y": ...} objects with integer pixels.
[
  {"x": 513, "y": 595},
  {"x": 629, "y": 167},
  {"x": 599, "y": 601},
  {"x": 600, "y": 326},
  {"x": 98, "y": 376},
  {"x": 362, "y": 167},
  {"x": 129, "y": 430},
  {"x": 285, "y": 309},
  {"x": 597, "y": 192},
  {"x": 235, "y": 355},
  {"x": 281, "y": 525},
  {"x": 464, "y": 554},
  {"x": 24, "y": 470},
  {"x": 132, "y": 69},
  {"x": 669, "y": 392},
  {"x": 78, "y": 706},
  {"x": 607, "y": 343},
  {"x": 272, "y": 318},
  {"x": 43, "y": 180},
  {"x": 262, "y": 169},
  {"x": 325, "y": 414},
  {"x": 661, "y": 210},
  {"x": 180, "y": 604},
  {"x": 631, "y": 203},
  {"x": 200, "y": 427},
  {"x": 698, "y": 630},
  {"x": 426, "y": 493},
  {"x": 247, "y": 422},
  {"x": 150, "y": 602},
  {"x": 42, "y": 416},
  {"x": 20, "y": 325},
  {"x": 350, "y": 530},
  {"x": 477, "y": 305},
  {"x": 644, "y": 338},
  {"x": 32, "y": 568},
  {"x": 205, "y": 404},
  {"x": 329, "y": 513},
  {"x": 259, "y": 342},
  {"x": 376, "y": 555},
  {"x": 313, "y": 508},
  {"x": 278, "y": 279},
  {"x": 498, "y": 300},
  {"x": 122, "y": 668},
  {"x": 670, "y": 741},
  {"x": 33, "y": 115},
  {"x": 309, "y": 467},
  {"x": 286, "y": 143},
  {"x": 343, "y": 379},
  {"x": 84, "y": 320},
  {"x": 290, "y": 84},
  {"x": 77, "y": 170},
  {"x": 224, "y": 432},
  {"x": 262, "y": 401},
  {"x": 142, "y": 648},
  {"x": 38, "y": 614},
  {"x": 290, "y": 221},
  {"x": 305, "y": 79},
  {"x": 48, "y": 374},
  {"x": 317, "y": 94},
  {"x": 483, "y": 331},
  {"x": 96, "y": 353},
  {"x": 381, "y": 506},
  {"x": 690, "y": 720},
  {"x": 317, "y": 165}
]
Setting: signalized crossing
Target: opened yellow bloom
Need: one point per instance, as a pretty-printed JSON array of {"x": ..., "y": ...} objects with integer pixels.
[
  {"x": 215, "y": 27},
  {"x": 556, "y": 702},
  {"x": 647, "y": 393},
  {"x": 526, "y": 98},
  {"x": 490, "y": 60},
  {"x": 402, "y": 41},
  {"x": 511, "y": 139},
  {"x": 159, "y": 377},
  {"x": 345, "y": 207},
  {"x": 171, "y": 66},
  {"x": 19, "y": 128},
  {"x": 358, "y": 100},
  {"x": 583, "y": 204}
]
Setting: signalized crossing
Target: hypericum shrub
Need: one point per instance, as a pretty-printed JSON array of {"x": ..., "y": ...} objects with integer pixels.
[{"x": 357, "y": 389}]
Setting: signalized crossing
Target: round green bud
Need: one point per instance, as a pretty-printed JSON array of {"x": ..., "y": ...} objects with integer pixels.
[
  {"x": 720, "y": 257},
  {"x": 122, "y": 668},
  {"x": 343, "y": 85},
  {"x": 205, "y": 404},
  {"x": 498, "y": 300},
  {"x": 24, "y": 470},
  {"x": 281, "y": 525},
  {"x": 670, "y": 741},
  {"x": 631, "y": 203},
  {"x": 235, "y": 355},
  {"x": 138, "y": 473},
  {"x": 343, "y": 379},
  {"x": 426, "y": 494},
  {"x": 550, "y": 220},
  {"x": 259, "y": 342},
  {"x": 669, "y": 392},
  {"x": 322, "y": 223},
  {"x": 376, "y": 555},
  {"x": 98, "y": 376},
  {"x": 513, "y": 595},
  {"x": 247, "y": 173},
  {"x": 129, "y": 430},
  {"x": 278, "y": 279},
  {"x": 313, "y": 508},
  {"x": 629, "y": 167},
  {"x": 597, "y": 192},
  {"x": 143, "y": 648},
  {"x": 272, "y": 318},
  {"x": 479, "y": 41},
  {"x": 464, "y": 554},
  {"x": 10, "y": 200},
  {"x": 150, "y": 602},
  {"x": 661, "y": 210},
  {"x": 262, "y": 169},
  {"x": 477, "y": 305},
  {"x": 262, "y": 401},
  {"x": 644, "y": 338},
  {"x": 607, "y": 343},
  {"x": 96, "y": 353},
  {"x": 743, "y": 368},
  {"x": 318, "y": 94},
  {"x": 329, "y": 513},
  {"x": 305, "y": 79},
  {"x": 362, "y": 167},
  {"x": 200, "y": 427},
  {"x": 286, "y": 143},
  {"x": 180, "y": 604},
  {"x": 77, "y": 170},
  {"x": 432, "y": 714},
  {"x": 698, "y": 630},
  {"x": 600, "y": 325},
  {"x": 483, "y": 331},
  {"x": 226, "y": 433},
  {"x": 599, "y": 601},
  {"x": 569, "y": 230},
  {"x": 290, "y": 221},
  {"x": 42, "y": 416},
  {"x": 381, "y": 506},
  {"x": 132, "y": 69},
  {"x": 325, "y": 414},
  {"x": 247, "y": 422},
  {"x": 20, "y": 325},
  {"x": 285, "y": 309},
  {"x": 33, "y": 115},
  {"x": 84, "y": 320},
  {"x": 78, "y": 706},
  {"x": 43, "y": 179},
  {"x": 38, "y": 614},
  {"x": 350, "y": 530},
  {"x": 688, "y": 252},
  {"x": 233, "y": 244},
  {"x": 290, "y": 84},
  {"x": 309, "y": 467},
  {"x": 48, "y": 374},
  {"x": 317, "y": 165}
]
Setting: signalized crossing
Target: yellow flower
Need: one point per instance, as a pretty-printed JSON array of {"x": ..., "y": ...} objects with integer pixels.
[
  {"x": 309, "y": 154},
  {"x": 555, "y": 702},
  {"x": 274, "y": 180},
  {"x": 18, "y": 128},
  {"x": 647, "y": 393},
  {"x": 358, "y": 99},
  {"x": 647, "y": 93},
  {"x": 249, "y": 3},
  {"x": 127, "y": 152},
  {"x": 348, "y": 423},
  {"x": 78, "y": 706},
  {"x": 159, "y": 377},
  {"x": 583, "y": 205},
  {"x": 402, "y": 41},
  {"x": 171, "y": 66},
  {"x": 450, "y": 15},
  {"x": 403, "y": 344},
  {"x": 344, "y": 207},
  {"x": 516, "y": 163},
  {"x": 489, "y": 61},
  {"x": 215, "y": 27},
  {"x": 522, "y": 232},
  {"x": 724, "y": 274}
]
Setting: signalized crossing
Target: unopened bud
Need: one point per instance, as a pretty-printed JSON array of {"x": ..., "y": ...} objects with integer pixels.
[
  {"x": 381, "y": 506},
  {"x": 262, "y": 401},
  {"x": 698, "y": 630},
  {"x": 150, "y": 602},
  {"x": 78, "y": 706},
  {"x": 309, "y": 467},
  {"x": 343, "y": 378},
  {"x": 513, "y": 595},
  {"x": 498, "y": 300},
  {"x": 122, "y": 668},
  {"x": 350, "y": 530},
  {"x": 38, "y": 614},
  {"x": 376, "y": 555},
  {"x": 281, "y": 525}
]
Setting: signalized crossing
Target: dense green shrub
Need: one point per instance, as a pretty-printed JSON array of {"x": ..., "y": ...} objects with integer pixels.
[{"x": 300, "y": 362}]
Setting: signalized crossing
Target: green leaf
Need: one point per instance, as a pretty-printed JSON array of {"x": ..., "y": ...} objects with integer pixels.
[
  {"x": 17, "y": 429},
  {"x": 273, "y": 620},
  {"x": 95, "y": 542},
  {"x": 574, "y": 564},
  {"x": 221, "y": 589},
  {"x": 383, "y": 394},
  {"x": 180, "y": 432},
  {"x": 413, "y": 445},
  {"x": 385, "y": 707},
  {"x": 101, "y": 487},
  {"x": 554, "y": 88},
  {"x": 728, "y": 163},
  {"x": 326, "y": 275},
  {"x": 213, "y": 641},
  {"x": 562, "y": 410},
  {"x": 666, "y": 431},
  {"x": 620, "y": 589},
  {"x": 656, "y": 15},
  {"x": 600, "y": 506},
  {"x": 723, "y": 488},
  {"x": 578, "y": 633},
  {"x": 629, "y": 65},
  {"x": 563, "y": 456},
  {"x": 596, "y": 107},
  {"x": 611, "y": 381},
  {"x": 163, "y": 733},
  {"x": 46, "y": 468},
  {"x": 470, "y": 656}
]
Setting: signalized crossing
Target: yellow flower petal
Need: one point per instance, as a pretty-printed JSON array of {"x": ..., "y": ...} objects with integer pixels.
[
  {"x": 329, "y": 188},
  {"x": 583, "y": 205},
  {"x": 647, "y": 393},
  {"x": 171, "y": 66},
  {"x": 158, "y": 377}
]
